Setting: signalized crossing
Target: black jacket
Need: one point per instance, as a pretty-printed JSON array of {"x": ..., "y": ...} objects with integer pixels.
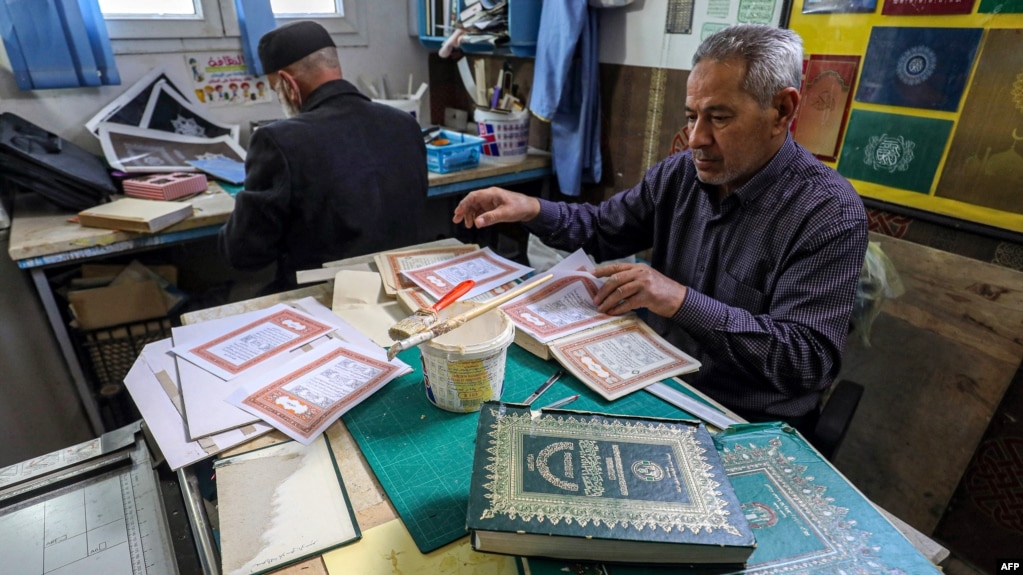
[{"x": 344, "y": 177}]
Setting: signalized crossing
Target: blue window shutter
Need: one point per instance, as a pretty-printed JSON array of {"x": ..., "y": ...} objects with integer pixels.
[
  {"x": 57, "y": 43},
  {"x": 99, "y": 41},
  {"x": 19, "y": 65},
  {"x": 79, "y": 47},
  {"x": 255, "y": 18},
  {"x": 39, "y": 30}
]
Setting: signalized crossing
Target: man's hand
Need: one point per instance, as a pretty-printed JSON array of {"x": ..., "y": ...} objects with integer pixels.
[
  {"x": 494, "y": 205},
  {"x": 634, "y": 286}
]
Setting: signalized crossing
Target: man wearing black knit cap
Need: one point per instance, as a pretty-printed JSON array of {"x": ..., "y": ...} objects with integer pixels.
[{"x": 340, "y": 176}]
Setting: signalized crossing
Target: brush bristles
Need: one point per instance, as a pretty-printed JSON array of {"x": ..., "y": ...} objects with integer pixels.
[{"x": 413, "y": 324}]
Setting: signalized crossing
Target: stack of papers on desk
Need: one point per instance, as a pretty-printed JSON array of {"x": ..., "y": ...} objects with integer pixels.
[
  {"x": 613, "y": 355},
  {"x": 219, "y": 383}
]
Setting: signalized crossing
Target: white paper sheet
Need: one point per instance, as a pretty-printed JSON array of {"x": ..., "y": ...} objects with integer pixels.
[
  {"x": 391, "y": 264},
  {"x": 342, "y": 327},
  {"x": 359, "y": 299},
  {"x": 488, "y": 269},
  {"x": 618, "y": 358},
  {"x": 204, "y": 393},
  {"x": 303, "y": 397},
  {"x": 280, "y": 504},
  {"x": 152, "y": 383},
  {"x": 229, "y": 350},
  {"x": 561, "y": 307},
  {"x": 139, "y": 150},
  {"x": 576, "y": 261}
]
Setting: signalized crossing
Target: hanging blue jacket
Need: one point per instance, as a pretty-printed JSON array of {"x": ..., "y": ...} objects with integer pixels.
[{"x": 566, "y": 90}]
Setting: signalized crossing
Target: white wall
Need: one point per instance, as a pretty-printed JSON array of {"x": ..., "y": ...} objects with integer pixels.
[
  {"x": 391, "y": 51},
  {"x": 634, "y": 35}
]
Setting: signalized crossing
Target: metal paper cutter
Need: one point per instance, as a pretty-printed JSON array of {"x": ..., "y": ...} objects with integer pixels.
[{"x": 93, "y": 508}]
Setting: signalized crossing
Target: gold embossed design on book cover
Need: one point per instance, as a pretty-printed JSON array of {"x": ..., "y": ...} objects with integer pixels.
[{"x": 587, "y": 499}]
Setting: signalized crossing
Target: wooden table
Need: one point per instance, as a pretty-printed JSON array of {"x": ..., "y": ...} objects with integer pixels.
[
  {"x": 536, "y": 166},
  {"x": 368, "y": 498},
  {"x": 41, "y": 237},
  {"x": 941, "y": 357}
]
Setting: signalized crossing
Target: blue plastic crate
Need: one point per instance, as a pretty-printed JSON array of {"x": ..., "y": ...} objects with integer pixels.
[{"x": 461, "y": 153}]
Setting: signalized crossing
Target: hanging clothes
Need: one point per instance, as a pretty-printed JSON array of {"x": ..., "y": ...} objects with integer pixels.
[{"x": 566, "y": 90}]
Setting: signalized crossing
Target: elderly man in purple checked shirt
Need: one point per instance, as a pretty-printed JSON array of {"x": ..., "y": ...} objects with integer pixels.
[{"x": 756, "y": 246}]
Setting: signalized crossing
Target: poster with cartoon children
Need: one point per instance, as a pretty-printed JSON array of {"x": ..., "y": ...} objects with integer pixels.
[{"x": 222, "y": 79}]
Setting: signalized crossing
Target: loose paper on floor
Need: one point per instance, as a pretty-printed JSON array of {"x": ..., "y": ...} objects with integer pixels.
[
  {"x": 301, "y": 398},
  {"x": 619, "y": 358},
  {"x": 279, "y": 505},
  {"x": 488, "y": 269}
]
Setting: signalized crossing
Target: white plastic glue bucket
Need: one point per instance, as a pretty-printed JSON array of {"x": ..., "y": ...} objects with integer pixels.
[
  {"x": 506, "y": 135},
  {"x": 403, "y": 103},
  {"x": 465, "y": 367}
]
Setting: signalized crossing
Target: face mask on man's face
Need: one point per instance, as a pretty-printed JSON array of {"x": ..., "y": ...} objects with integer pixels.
[{"x": 290, "y": 110}]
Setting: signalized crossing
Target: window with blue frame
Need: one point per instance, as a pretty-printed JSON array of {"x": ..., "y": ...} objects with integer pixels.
[{"x": 72, "y": 43}]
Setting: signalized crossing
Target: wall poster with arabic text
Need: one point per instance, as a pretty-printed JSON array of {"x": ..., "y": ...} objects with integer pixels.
[
  {"x": 894, "y": 150},
  {"x": 222, "y": 79}
]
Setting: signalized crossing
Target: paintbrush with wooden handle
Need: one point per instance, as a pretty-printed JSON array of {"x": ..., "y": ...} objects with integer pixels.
[
  {"x": 458, "y": 320},
  {"x": 427, "y": 316}
]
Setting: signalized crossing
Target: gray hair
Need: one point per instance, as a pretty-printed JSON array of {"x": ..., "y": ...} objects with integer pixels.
[
  {"x": 322, "y": 59},
  {"x": 773, "y": 57}
]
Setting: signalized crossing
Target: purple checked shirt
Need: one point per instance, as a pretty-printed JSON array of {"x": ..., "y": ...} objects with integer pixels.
[{"x": 772, "y": 271}]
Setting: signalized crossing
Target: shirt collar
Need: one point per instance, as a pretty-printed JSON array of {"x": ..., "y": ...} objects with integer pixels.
[
  {"x": 769, "y": 174},
  {"x": 328, "y": 90}
]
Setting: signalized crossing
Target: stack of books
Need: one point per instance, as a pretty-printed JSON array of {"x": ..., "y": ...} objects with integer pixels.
[
  {"x": 135, "y": 215},
  {"x": 165, "y": 186},
  {"x": 593, "y": 487}
]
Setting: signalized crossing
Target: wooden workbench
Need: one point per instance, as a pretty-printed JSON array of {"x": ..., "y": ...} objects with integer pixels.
[
  {"x": 42, "y": 236},
  {"x": 368, "y": 498}
]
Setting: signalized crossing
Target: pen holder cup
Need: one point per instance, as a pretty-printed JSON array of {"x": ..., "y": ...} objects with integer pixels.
[
  {"x": 465, "y": 367},
  {"x": 506, "y": 135},
  {"x": 404, "y": 103}
]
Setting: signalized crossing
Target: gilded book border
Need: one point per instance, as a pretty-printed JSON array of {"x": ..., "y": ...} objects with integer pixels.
[{"x": 584, "y": 501}]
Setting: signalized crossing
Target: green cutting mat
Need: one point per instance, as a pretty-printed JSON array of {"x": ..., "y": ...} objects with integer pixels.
[{"x": 422, "y": 455}]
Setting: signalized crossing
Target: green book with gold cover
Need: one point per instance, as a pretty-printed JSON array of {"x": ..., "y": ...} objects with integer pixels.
[
  {"x": 581, "y": 485},
  {"x": 808, "y": 518}
]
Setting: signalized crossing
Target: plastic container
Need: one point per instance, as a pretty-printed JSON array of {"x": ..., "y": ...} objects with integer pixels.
[
  {"x": 506, "y": 135},
  {"x": 460, "y": 153},
  {"x": 465, "y": 367}
]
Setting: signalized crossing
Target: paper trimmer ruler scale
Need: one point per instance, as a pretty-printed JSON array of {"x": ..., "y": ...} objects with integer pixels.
[{"x": 93, "y": 508}]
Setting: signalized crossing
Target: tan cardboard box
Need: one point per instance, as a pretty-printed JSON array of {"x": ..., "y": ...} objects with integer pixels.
[{"x": 117, "y": 304}]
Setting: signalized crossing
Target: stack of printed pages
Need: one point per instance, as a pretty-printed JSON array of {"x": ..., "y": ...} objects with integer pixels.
[
  {"x": 419, "y": 277},
  {"x": 612, "y": 355},
  {"x": 295, "y": 367}
]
